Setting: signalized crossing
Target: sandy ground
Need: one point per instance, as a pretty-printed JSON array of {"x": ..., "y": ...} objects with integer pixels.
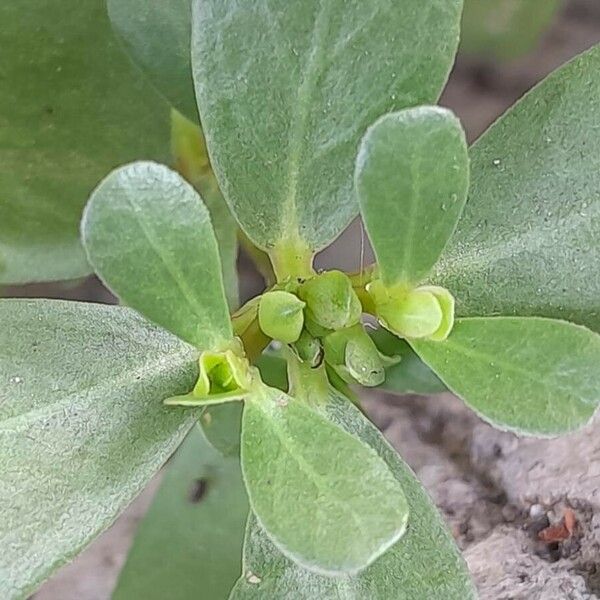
[{"x": 496, "y": 491}]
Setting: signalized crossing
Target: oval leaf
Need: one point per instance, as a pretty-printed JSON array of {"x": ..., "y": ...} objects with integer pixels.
[
  {"x": 528, "y": 375},
  {"x": 527, "y": 243},
  {"x": 412, "y": 177},
  {"x": 425, "y": 563},
  {"x": 72, "y": 107},
  {"x": 157, "y": 36},
  {"x": 326, "y": 499},
  {"x": 149, "y": 237},
  {"x": 199, "y": 514},
  {"x": 286, "y": 90},
  {"x": 191, "y": 161},
  {"x": 82, "y": 426}
]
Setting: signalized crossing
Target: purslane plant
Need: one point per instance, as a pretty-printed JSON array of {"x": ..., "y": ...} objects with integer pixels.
[{"x": 311, "y": 111}]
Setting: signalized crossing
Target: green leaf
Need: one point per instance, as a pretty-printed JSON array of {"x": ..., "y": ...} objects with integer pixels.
[
  {"x": 528, "y": 375},
  {"x": 191, "y": 161},
  {"x": 287, "y": 89},
  {"x": 82, "y": 426},
  {"x": 189, "y": 544},
  {"x": 149, "y": 237},
  {"x": 71, "y": 107},
  {"x": 326, "y": 499},
  {"x": 527, "y": 243},
  {"x": 424, "y": 564},
  {"x": 504, "y": 29},
  {"x": 157, "y": 36},
  {"x": 411, "y": 375},
  {"x": 412, "y": 177}
]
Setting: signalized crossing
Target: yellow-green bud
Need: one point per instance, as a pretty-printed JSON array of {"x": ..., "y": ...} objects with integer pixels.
[
  {"x": 222, "y": 373},
  {"x": 331, "y": 302},
  {"x": 446, "y": 301},
  {"x": 425, "y": 312},
  {"x": 280, "y": 316}
]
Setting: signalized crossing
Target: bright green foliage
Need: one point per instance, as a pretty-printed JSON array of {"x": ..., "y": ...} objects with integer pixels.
[
  {"x": 157, "y": 36},
  {"x": 409, "y": 375},
  {"x": 331, "y": 302},
  {"x": 424, "y": 564},
  {"x": 529, "y": 375},
  {"x": 224, "y": 377},
  {"x": 326, "y": 499},
  {"x": 504, "y": 29},
  {"x": 190, "y": 542},
  {"x": 281, "y": 316},
  {"x": 412, "y": 176},
  {"x": 527, "y": 243},
  {"x": 293, "y": 87},
  {"x": 82, "y": 426},
  {"x": 150, "y": 239},
  {"x": 71, "y": 107}
]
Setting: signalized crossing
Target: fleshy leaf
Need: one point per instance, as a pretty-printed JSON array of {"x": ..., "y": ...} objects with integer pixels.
[
  {"x": 286, "y": 90},
  {"x": 191, "y": 161},
  {"x": 326, "y": 499},
  {"x": 412, "y": 177},
  {"x": 198, "y": 515},
  {"x": 82, "y": 421},
  {"x": 527, "y": 243},
  {"x": 71, "y": 106},
  {"x": 410, "y": 375},
  {"x": 425, "y": 563},
  {"x": 529, "y": 375},
  {"x": 157, "y": 36},
  {"x": 149, "y": 237}
]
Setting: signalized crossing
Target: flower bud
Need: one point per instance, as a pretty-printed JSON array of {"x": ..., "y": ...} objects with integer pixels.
[
  {"x": 354, "y": 356},
  {"x": 413, "y": 313},
  {"x": 446, "y": 301},
  {"x": 280, "y": 316},
  {"x": 221, "y": 373},
  {"x": 309, "y": 349},
  {"x": 331, "y": 302}
]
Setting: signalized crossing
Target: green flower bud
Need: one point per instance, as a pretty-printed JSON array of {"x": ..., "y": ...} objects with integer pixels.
[
  {"x": 354, "y": 356},
  {"x": 409, "y": 313},
  {"x": 309, "y": 349},
  {"x": 331, "y": 302},
  {"x": 280, "y": 316},
  {"x": 222, "y": 373},
  {"x": 446, "y": 301}
]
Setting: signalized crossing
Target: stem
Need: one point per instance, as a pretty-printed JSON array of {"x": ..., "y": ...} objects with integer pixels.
[
  {"x": 292, "y": 259},
  {"x": 307, "y": 383}
]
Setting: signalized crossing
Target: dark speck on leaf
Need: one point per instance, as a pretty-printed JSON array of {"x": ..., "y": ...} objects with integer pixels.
[{"x": 198, "y": 490}]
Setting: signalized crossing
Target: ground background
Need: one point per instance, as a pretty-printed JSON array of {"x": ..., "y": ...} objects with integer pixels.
[{"x": 496, "y": 491}]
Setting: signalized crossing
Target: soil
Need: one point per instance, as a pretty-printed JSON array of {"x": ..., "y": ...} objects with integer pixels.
[{"x": 525, "y": 512}]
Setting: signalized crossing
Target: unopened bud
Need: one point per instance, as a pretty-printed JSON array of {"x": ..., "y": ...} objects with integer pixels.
[
  {"x": 354, "y": 356},
  {"x": 280, "y": 316},
  {"x": 425, "y": 312},
  {"x": 331, "y": 302}
]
